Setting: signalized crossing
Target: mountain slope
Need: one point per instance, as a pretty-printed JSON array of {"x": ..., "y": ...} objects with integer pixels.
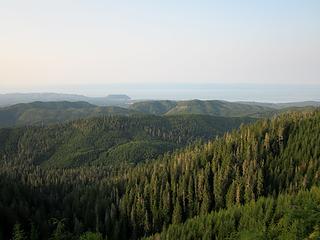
[
  {"x": 112, "y": 139},
  {"x": 217, "y": 108},
  {"x": 212, "y": 107},
  {"x": 42, "y": 113},
  {"x": 267, "y": 158},
  {"x": 16, "y": 98},
  {"x": 154, "y": 107},
  {"x": 242, "y": 185},
  {"x": 289, "y": 216},
  {"x": 284, "y": 105},
  {"x": 221, "y": 108}
]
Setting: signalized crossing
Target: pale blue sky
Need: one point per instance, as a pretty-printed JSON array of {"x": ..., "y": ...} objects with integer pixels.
[{"x": 54, "y": 44}]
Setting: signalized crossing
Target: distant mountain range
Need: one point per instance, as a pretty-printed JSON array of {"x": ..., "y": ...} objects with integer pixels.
[
  {"x": 15, "y": 98},
  {"x": 150, "y": 106},
  {"x": 219, "y": 108},
  {"x": 284, "y": 105},
  {"x": 44, "y": 113}
]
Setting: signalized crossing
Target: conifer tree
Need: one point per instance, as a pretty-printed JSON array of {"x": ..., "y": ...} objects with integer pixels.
[
  {"x": 177, "y": 213},
  {"x": 18, "y": 233}
]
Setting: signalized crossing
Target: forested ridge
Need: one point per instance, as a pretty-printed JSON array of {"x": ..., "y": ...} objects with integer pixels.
[
  {"x": 45, "y": 113},
  {"x": 219, "y": 108},
  {"x": 209, "y": 107},
  {"x": 242, "y": 185},
  {"x": 288, "y": 216},
  {"x": 109, "y": 139}
]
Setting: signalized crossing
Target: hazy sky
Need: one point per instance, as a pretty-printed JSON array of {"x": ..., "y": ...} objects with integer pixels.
[{"x": 45, "y": 44}]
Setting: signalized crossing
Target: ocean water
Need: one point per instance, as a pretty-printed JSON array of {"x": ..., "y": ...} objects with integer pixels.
[
  {"x": 184, "y": 91},
  {"x": 229, "y": 92}
]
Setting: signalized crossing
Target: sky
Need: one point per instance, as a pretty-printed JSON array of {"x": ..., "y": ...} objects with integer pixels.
[{"x": 90, "y": 47}]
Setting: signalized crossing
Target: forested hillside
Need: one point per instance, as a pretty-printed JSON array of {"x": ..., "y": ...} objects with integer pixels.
[
  {"x": 18, "y": 98},
  {"x": 242, "y": 185},
  {"x": 288, "y": 216},
  {"x": 285, "y": 105},
  {"x": 44, "y": 113},
  {"x": 109, "y": 140},
  {"x": 220, "y": 108},
  {"x": 154, "y": 107},
  {"x": 212, "y": 107}
]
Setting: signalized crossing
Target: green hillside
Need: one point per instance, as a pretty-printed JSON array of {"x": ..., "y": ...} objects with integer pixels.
[
  {"x": 154, "y": 107},
  {"x": 39, "y": 113},
  {"x": 295, "y": 216},
  {"x": 44, "y": 113},
  {"x": 285, "y": 105},
  {"x": 220, "y": 108},
  {"x": 108, "y": 139},
  {"x": 266, "y": 159},
  {"x": 243, "y": 185},
  {"x": 212, "y": 107}
]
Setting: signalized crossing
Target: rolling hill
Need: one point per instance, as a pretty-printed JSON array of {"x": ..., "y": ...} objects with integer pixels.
[
  {"x": 109, "y": 139},
  {"x": 16, "y": 98},
  {"x": 259, "y": 182},
  {"x": 285, "y": 105},
  {"x": 43, "y": 113},
  {"x": 154, "y": 107},
  {"x": 211, "y": 107},
  {"x": 220, "y": 108}
]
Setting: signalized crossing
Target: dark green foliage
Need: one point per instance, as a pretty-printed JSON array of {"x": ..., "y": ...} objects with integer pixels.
[
  {"x": 136, "y": 151},
  {"x": 242, "y": 185},
  {"x": 154, "y": 107},
  {"x": 34, "y": 234},
  {"x": 106, "y": 140},
  {"x": 285, "y": 217},
  {"x": 91, "y": 236},
  {"x": 59, "y": 233},
  {"x": 18, "y": 233},
  {"x": 177, "y": 213}
]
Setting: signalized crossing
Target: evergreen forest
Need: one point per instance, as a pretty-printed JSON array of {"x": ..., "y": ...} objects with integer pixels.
[{"x": 162, "y": 177}]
